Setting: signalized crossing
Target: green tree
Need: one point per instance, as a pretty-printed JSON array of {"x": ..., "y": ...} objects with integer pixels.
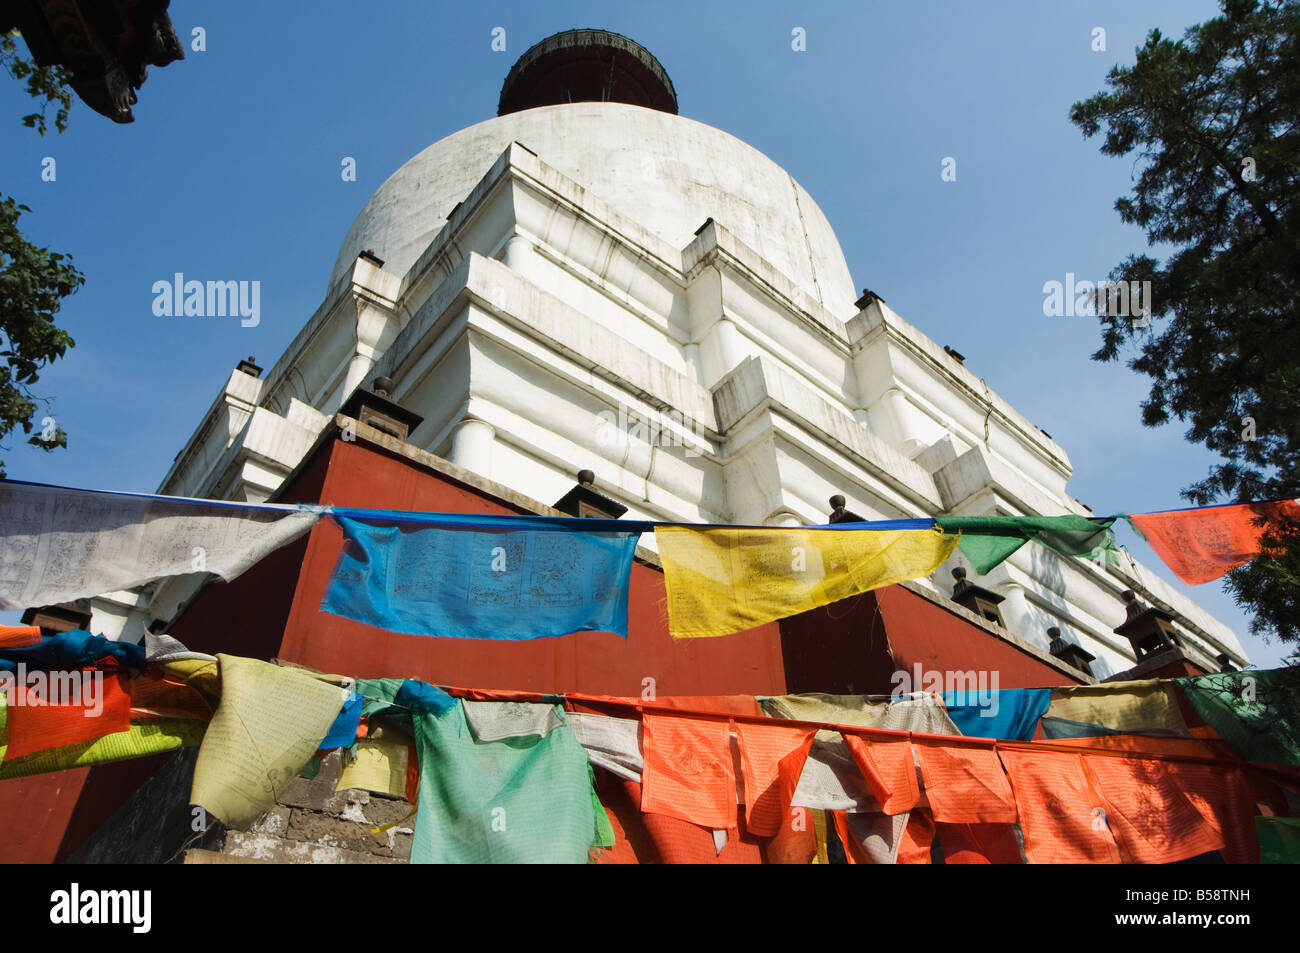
[
  {"x": 1213, "y": 124},
  {"x": 33, "y": 280}
]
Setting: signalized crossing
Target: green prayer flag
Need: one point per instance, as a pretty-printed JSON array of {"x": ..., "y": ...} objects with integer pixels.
[
  {"x": 604, "y": 829},
  {"x": 1279, "y": 839},
  {"x": 988, "y": 540},
  {"x": 379, "y": 693},
  {"x": 1258, "y": 713},
  {"x": 142, "y": 739},
  {"x": 525, "y": 799}
]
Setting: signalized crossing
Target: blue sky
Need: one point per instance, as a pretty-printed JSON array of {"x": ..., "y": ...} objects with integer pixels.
[{"x": 231, "y": 170}]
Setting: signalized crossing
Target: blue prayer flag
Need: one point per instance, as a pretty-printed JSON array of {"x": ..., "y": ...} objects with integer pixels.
[
  {"x": 486, "y": 578},
  {"x": 1010, "y": 714},
  {"x": 344, "y": 730}
]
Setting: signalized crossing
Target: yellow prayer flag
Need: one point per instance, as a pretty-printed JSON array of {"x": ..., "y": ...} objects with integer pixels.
[
  {"x": 380, "y": 767},
  {"x": 724, "y": 580},
  {"x": 268, "y": 724},
  {"x": 203, "y": 675},
  {"x": 1144, "y": 705}
]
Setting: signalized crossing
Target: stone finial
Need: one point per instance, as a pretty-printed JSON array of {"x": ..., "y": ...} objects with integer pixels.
[
  {"x": 1149, "y": 630},
  {"x": 1133, "y": 607},
  {"x": 1068, "y": 652},
  {"x": 868, "y": 296},
  {"x": 840, "y": 513},
  {"x": 586, "y": 501},
  {"x": 961, "y": 586},
  {"x": 377, "y": 409}
]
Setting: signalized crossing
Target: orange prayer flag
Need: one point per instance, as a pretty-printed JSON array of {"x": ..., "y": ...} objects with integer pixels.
[
  {"x": 19, "y": 636},
  {"x": 688, "y": 772},
  {"x": 801, "y": 837},
  {"x": 965, "y": 784},
  {"x": 979, "y": 843},
  {"x": 154, "y": 695},
  {"x": 1061, "y": 816},
  {"x": 1153, "y": 820},
  {"x": 889, "y": 770},
  {"x": 853, "y": 854},
  {"x": 65, "y": 708},
  {"x": 764, "y": 750},
  {"x": 918, "y": 836},
  {"x": 1203, "y": 544},
  {"x": 1225, "y": 800}
]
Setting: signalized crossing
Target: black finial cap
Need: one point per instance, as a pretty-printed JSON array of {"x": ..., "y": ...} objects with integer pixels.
[{"x": 579, "y": 66}]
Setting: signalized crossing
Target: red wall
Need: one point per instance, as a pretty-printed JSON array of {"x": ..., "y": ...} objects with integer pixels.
[
  {"x": 920, "y": 631},
  {"x": 855, "y": 646},
  {"x": 597, "y": 663},
  {"x": 34, "y": 813}
]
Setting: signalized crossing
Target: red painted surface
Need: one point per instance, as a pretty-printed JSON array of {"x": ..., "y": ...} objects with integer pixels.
[
  {"x": 841, "y": 649},
  {"x": 920, "y": 631},
  {"x": 34, "y": 814}
]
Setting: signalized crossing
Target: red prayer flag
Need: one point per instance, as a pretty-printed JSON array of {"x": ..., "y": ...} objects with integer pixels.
[{"x": 1203, "y": 544}]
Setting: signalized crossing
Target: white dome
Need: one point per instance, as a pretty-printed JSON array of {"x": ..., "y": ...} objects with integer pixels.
[{"x": 699, "y": 172}]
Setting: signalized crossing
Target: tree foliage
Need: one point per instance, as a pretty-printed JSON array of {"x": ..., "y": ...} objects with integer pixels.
[
  {"x": 50, "y": 84},
  {"x": 33, "y": 280},
  {"x": 1211, "y": 122}
]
